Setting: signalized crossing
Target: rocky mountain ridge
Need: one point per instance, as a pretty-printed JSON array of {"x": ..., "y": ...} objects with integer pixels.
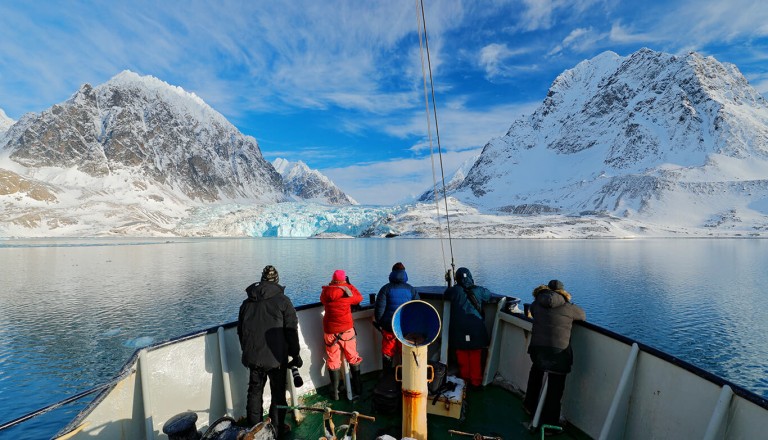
[
  {"x": 158, "y": 134},
  {"x": 306, "y": 184}
]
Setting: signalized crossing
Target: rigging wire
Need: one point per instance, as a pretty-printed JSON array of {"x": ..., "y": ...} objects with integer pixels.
[
  {"x": 422, "y": 26},
  {"x": 435, "y": 190}
]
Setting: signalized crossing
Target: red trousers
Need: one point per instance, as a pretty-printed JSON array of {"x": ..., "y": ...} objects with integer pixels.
[
  {"x": 389, "y": 344},
  {"x": 471, "y": 365},
  {"x": 345, "y": 344}
]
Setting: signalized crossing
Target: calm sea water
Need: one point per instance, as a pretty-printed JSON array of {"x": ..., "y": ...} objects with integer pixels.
[{"x": 72, "y": 312}]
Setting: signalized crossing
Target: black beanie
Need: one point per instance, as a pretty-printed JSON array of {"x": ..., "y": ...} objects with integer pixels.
[
  {"x": 270, "y": 274},
  {"x": 398, "y": 266},
  {"x": 556, "y": 285}
]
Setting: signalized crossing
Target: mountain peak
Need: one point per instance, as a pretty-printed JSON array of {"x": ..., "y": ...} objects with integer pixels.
[
  {"x": 309, "y": 184},
  {"x": 626, "y": 136}
]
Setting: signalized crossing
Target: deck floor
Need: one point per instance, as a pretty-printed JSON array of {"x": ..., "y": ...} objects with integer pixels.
[{"x": 491, "y": 411}]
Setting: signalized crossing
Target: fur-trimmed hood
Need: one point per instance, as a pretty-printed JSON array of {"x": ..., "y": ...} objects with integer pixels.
[{"x": 551, "y": 298}]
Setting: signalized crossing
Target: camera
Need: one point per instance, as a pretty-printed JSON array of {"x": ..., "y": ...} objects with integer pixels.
[{"x": 297, "y": 380}]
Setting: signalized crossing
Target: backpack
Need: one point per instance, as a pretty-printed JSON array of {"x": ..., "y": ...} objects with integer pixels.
[{"x": 439, "y": 378}]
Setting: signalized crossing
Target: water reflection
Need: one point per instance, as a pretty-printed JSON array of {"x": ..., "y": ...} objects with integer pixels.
[{"x": 73, "y": 312}]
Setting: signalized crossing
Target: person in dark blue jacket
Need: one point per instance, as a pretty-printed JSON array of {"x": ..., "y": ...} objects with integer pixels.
[
  {"x": 391, "y": 296},
  {"x": 467, "y": 335}
]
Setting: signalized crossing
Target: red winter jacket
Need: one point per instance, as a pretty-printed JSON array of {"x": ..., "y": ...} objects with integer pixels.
[{"x": 338, "y": 298}]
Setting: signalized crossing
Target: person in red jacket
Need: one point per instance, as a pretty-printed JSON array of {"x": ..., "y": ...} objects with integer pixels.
[{"x": 338, "y": 297}]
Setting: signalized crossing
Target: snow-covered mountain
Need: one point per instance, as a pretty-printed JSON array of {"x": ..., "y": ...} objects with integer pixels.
[
  {"x": 453, "y": 183},
  {"x": 155, "y": 135},
  {"x": 5, "y": 123},
  {"x": 310, "y": 185},
  {"x": 129, "y": 157},
  {"x": 680, "y": 141}
]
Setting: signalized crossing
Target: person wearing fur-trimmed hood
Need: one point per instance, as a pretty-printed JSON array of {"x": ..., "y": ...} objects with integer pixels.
[{"x": 553, "y": 314}]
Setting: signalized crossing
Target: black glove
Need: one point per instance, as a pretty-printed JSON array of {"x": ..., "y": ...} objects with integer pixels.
[{"x": 296, "y": 362}]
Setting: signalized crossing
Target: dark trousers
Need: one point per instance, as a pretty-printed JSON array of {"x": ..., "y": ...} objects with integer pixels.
[
  {"x": 254, "y": 405},
  {"x": 550, "y": 414}
]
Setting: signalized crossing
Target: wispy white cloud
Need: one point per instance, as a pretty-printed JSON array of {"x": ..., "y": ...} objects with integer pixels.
[
  {"x": 461, "y": 127},
  {"x": 495, "y": 59},
  {"x": 623, "y": 35},
  {"x": 579, "y": 40},
  {"x": 708, "y": 21},
  {"x": 760, "y": 83},
  {"x": 545, "y": 14}
]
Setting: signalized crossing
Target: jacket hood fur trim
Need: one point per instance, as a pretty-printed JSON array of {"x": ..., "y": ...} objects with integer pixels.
[{"x": 544, "y": 287}]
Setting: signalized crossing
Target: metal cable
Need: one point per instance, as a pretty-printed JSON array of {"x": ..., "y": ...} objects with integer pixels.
[
  {"x": 429, "y": 131},
  {"x": 420, "y": 5}
]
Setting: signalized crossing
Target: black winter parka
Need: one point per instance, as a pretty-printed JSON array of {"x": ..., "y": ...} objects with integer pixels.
[{"x": 267, "y": 327}]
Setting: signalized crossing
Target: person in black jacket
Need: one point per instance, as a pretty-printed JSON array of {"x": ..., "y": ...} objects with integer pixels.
[
  {"x": 550, "y": 348},
  {"x": 268, "y": 330}
]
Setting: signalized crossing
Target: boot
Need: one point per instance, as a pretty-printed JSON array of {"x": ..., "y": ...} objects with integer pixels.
[
  {"x": 357, "y": 383},
  {"x": 386, "y": 365},
  {"x": 335, "y": 379}
]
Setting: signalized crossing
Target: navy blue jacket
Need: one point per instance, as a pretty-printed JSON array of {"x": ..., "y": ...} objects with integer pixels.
[
  {"x": 467, "y": 328},
  {"x": 391, "y": 296}
]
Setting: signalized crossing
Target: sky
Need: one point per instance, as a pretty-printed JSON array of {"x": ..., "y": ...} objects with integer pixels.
[{"x": 339, "y": 84}]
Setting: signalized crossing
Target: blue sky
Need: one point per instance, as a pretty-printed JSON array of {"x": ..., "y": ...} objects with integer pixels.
[{"x": 338, "y": 84}]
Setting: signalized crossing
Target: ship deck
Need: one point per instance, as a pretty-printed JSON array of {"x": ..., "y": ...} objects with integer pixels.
[{"x": 491, "y": 411}]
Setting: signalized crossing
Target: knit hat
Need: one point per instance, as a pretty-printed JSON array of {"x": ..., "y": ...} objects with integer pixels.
[
  {"x": 270, "y": 274},
  {"x": 398, "y": 266},
  {"x": 556, "y": 285},
  {"x": 339, "y": 275}
]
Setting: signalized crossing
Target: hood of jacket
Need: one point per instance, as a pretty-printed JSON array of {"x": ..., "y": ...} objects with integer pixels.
[
  {"x": 398, "y": 276},
  {"x": 263, "y": 290},
  {"x": 550, "y": 298},
  {"x": 464, "y": 277}
]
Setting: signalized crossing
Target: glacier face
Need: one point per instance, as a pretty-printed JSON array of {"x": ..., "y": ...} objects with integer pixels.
[{"x": 288, "y": 220}]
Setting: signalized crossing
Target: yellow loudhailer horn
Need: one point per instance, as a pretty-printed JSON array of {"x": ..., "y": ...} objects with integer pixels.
[{"x": 416, "y": 324}]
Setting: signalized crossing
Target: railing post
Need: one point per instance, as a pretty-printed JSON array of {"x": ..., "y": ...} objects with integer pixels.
[
  {"x": 492, "y": 361},
  {"x": 621, "y": 397},
  {"x": 225, "y": 372},
  {"x": 718, "y": 415},
  {"x": 149, "y": 426}
]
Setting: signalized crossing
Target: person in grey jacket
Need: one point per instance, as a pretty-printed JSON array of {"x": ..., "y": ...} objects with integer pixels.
[
  {"x": 267, "y": 327},
  {"x": 553, "y": 314}
]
